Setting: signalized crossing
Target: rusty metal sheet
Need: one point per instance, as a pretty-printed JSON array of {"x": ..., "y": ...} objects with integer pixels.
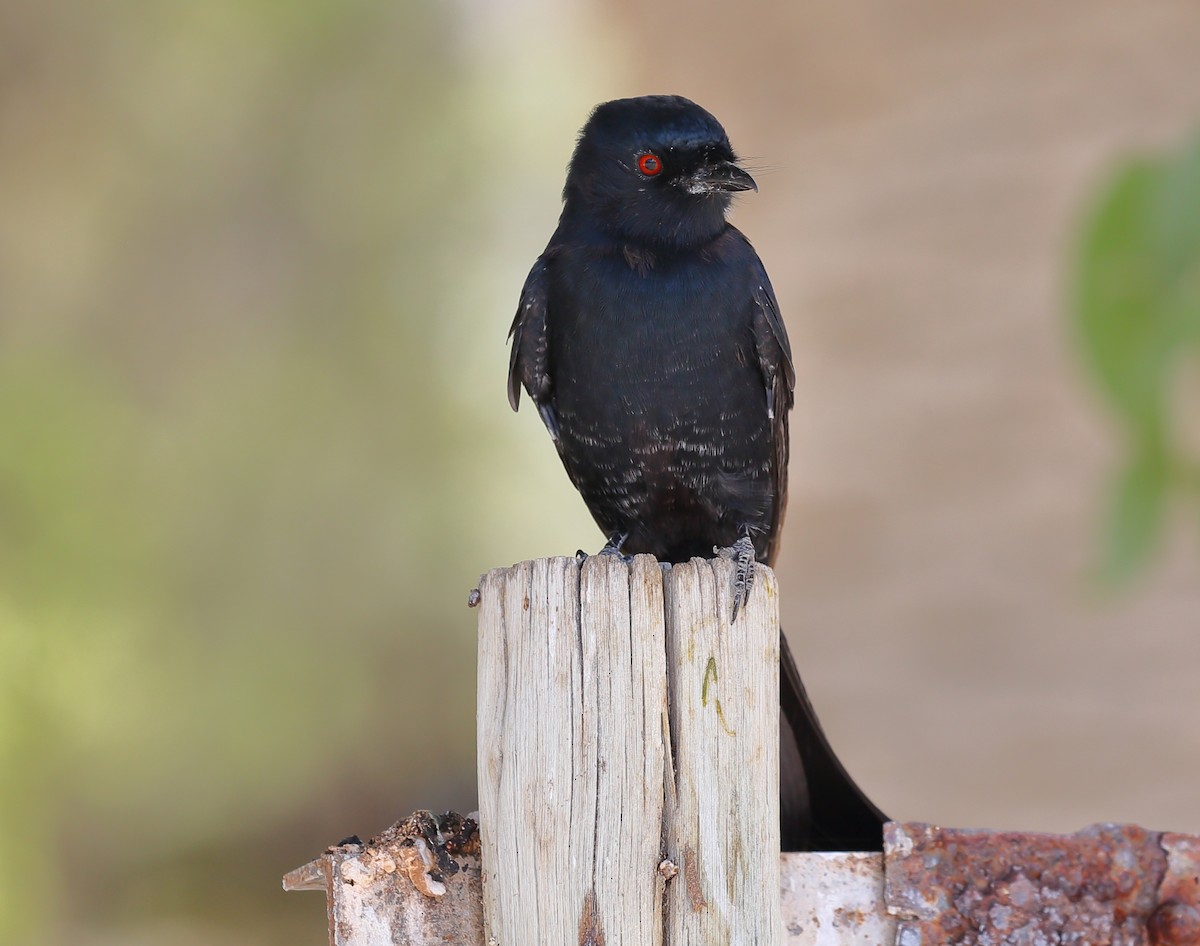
[
  {"x": 1095, "y": 888},
  {"x": 1109, "y": 885},
  {"x": 1176, "y": 920}
]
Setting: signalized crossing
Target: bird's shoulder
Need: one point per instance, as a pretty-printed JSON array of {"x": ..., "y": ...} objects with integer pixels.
[{"x": 735, "y": 252}]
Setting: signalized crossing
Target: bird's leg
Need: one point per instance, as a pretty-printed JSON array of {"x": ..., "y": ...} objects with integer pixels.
[
  {"x": 742, "y": 554},
  {"x": 611, "y": 547}
]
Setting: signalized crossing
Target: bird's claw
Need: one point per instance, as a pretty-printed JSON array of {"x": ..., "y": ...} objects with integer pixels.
[
  {"x": 741, "y": 553},
  {"x": 611, "y": 547}
]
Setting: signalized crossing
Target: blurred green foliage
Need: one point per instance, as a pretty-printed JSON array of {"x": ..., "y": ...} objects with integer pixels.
[
  {"x": 1138, "y": 316},
  {"x": 257, "y": 261}
]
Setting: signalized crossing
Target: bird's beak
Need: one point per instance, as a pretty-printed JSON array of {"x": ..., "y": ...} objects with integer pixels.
[{"x": 722, "y": 176}]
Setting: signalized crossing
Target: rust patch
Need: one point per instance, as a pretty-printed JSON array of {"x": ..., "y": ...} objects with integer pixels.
[
  {"x": 1176, "y": 922},
  {"x": 426, "y": 848},
  {"x": 843, "y": 917},
  {"x": 417, "y": 862},
  {"x": 1182, "y": 880},
  {"x": 590, "y": 931},
  {"x": 691, "y": 876},
  {"x": 1097, "y": 887}
]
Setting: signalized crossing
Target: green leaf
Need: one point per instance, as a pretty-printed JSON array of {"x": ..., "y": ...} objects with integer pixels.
[
  {"x": 1136, "y": 516},
  {"x": 1137, "y": 315},
  {"x": 1176, "y": 222},
  {"x": 1116, "y": 296}
]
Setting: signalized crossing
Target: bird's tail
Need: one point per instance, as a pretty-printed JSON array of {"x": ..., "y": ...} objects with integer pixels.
[{"x": 820, "y": 807}]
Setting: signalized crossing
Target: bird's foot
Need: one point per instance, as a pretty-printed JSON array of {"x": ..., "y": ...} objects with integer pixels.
[
  {"x": 611, "y": 547},
  {"x": 742, "y": 555}
]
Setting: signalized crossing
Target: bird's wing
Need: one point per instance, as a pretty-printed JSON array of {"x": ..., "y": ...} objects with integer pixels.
[
  {"x": 779, "y": 377},
  {"x": 529, "y": 364}
]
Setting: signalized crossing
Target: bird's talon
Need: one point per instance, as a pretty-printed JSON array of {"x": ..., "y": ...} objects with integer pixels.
[
  {"x": 741, "y": 553},
  {"x": 613, "y": 547}
]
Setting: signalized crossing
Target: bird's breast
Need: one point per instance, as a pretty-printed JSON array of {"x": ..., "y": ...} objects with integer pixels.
[
  {"x": 616, "y": 326},
  {"x": 655, "y": 357}
]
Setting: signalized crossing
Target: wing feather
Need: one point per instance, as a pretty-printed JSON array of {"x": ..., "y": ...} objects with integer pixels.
[
  {"x": 779, "y": 379},
  {"x": 528, "y": 363}
]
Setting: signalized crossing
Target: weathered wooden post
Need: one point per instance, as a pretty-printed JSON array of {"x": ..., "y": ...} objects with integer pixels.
[
  {"x": 628, "y": 759},
  {"x": 628, "y": 755}
]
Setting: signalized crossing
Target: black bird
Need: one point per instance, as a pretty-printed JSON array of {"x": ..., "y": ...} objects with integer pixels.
[{"x": 649, "y": 337}]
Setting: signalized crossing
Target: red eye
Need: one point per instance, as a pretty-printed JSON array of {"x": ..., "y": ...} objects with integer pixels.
[{"x": 649, "y": 164}]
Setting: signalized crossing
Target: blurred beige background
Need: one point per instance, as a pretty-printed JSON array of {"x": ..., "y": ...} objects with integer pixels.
[{"x": 257, "y": 261}]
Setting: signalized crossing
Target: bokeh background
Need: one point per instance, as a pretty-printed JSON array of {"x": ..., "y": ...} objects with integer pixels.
[{"x": 257, "y": 262}]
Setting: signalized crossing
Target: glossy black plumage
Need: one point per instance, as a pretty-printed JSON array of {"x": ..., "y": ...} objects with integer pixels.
[{"x": 649, "y": 337}]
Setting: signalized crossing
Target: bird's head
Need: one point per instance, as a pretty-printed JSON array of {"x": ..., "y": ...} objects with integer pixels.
[{"x": 657, "y": 170}]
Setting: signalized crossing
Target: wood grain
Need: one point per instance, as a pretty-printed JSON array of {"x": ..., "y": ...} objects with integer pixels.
[{"x": 587, "y": 782}]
